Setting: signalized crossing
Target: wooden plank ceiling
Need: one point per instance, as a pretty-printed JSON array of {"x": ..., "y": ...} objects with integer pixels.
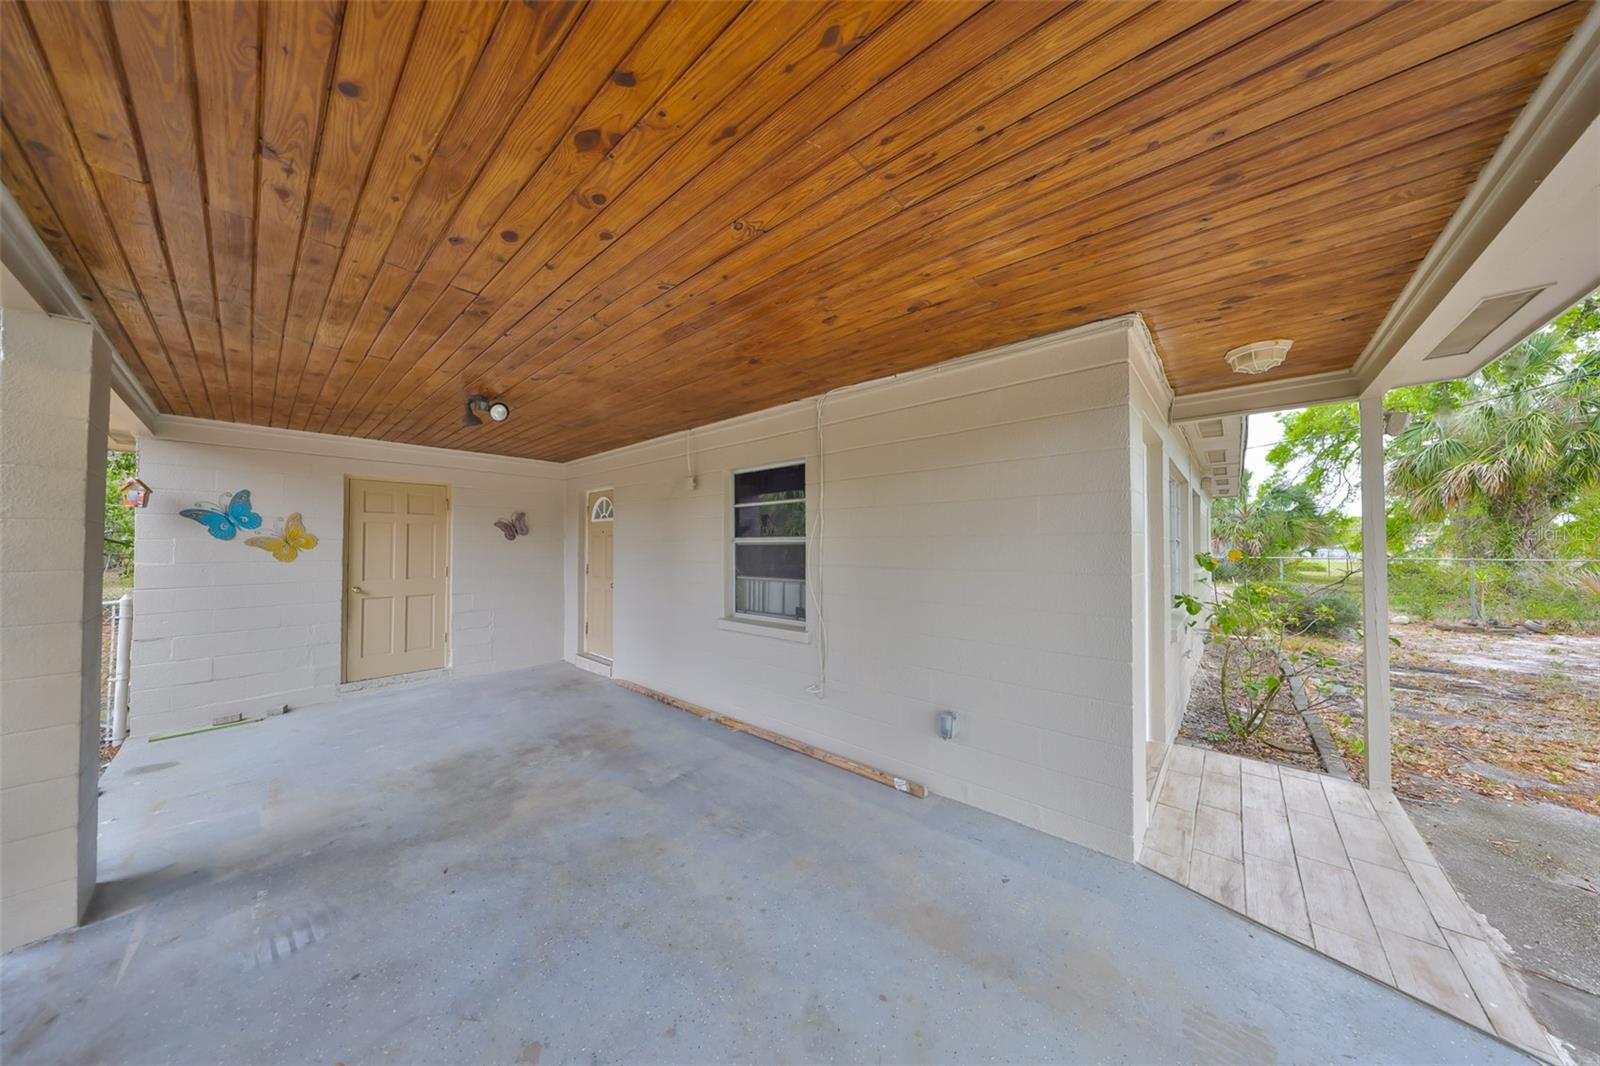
[{"x": 632, "y": 218}]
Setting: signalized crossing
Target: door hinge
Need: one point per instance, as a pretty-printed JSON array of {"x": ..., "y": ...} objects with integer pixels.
[
  {"x": 586, "y": 627},
  {"x": 447, "y": 636}
]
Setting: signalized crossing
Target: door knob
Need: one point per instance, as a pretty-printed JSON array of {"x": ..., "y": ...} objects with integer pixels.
[{"x": 355, "y": 588}]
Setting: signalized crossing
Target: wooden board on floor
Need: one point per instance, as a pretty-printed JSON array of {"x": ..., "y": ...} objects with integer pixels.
[{"x": 899, "y": 784}]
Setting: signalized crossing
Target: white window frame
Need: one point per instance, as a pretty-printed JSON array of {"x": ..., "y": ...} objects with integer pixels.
[
  {"x": 1177, "y": 531},
  {"x": 734, "y": 541}
]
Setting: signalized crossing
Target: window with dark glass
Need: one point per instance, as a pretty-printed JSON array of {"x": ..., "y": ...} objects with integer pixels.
[{"x": 769, "y": 542}]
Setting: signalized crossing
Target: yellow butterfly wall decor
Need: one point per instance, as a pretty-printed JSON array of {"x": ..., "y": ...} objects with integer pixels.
[{"x": 287, "y": 545}]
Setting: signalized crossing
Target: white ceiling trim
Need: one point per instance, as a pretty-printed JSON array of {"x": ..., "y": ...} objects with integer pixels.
[{"x": 28, "y": 259}]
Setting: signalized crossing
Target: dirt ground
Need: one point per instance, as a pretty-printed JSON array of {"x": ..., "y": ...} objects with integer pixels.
[
  {"x": 1284, "y": 738},
  {"x": 1509, "y": 716},
  {"x": 1497, "y": 758}
]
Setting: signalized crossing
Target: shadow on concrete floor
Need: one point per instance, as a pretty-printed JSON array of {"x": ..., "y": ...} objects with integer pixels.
[
  {"x": 1533, "y": 869},
  {"x": 540, "y": 865}
]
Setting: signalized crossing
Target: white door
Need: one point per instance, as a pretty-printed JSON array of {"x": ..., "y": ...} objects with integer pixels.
[
  {"x": 397, "y": 588},
  {"x": 597, "y": 578}
]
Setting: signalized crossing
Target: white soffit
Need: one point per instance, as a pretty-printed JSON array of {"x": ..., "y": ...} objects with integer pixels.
[
  {"x": 1217, "y": 445},
  {"x": 1550, "y": 246}
]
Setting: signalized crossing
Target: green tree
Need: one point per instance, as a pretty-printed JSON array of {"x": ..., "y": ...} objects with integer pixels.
[
  {"x": 1502, "y": 462},
  {"x": 1280, "y": 518},
  {"x": 120, "y": 466},
  {"x": 1500, "y": 468}
]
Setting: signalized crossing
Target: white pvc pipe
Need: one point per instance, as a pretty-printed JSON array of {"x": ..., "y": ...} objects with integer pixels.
[{"x": 119, "y": 691}]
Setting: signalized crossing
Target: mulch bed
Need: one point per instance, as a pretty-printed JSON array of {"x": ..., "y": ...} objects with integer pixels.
[{"x": 1206, "y": 724}]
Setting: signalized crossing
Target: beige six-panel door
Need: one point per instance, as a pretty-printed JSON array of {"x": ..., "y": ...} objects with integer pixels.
[
  {"x": 397, "y": 578},
  {"x": 597, "y": 578}
]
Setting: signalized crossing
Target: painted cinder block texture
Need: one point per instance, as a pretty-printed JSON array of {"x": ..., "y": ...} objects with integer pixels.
[
  {"x": 976, "y": 544},
  {"x": 226, "y": 629},
  {"x": 972, "y": 537},
  {"x": 53, "y": 417}
]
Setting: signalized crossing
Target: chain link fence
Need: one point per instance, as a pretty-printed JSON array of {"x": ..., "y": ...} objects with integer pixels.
[{"x": 1554, "y": 593}]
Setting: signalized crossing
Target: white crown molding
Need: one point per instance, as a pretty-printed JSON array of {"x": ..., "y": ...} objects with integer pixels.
[
  {"x": 271, "y": 438},
  {"x": 1334, "y": 386},
  {"x": 1564, "y": 105},
  {"x": 1142, "y": 355},
  {"x": 1146, "y": 360},
  {"x": 27, "y": 257}
]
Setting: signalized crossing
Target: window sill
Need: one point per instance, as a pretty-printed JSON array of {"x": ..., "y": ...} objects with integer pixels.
[{"x": 776, "y": 630}]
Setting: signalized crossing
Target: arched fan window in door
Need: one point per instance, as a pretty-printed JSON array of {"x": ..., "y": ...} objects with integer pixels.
[{"x": 602, "y": 509}]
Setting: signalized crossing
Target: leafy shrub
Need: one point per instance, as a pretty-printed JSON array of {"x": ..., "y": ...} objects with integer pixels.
[
  {"x": 1250, "y": 623},
  {"x": 1330, "y": 612}
]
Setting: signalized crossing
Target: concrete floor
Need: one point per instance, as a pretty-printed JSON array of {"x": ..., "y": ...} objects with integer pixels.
[
  {"x": 542, "y": 866},
  {"x": 1533, "y": 869}
]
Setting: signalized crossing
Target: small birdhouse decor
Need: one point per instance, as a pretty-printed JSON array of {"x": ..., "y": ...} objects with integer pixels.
[{"x": 135, "y": 493}]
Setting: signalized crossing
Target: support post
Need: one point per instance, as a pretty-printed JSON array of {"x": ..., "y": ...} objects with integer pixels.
[
  {"x": 1375, "y": 593},
  {"x": 54, "y": 408}
]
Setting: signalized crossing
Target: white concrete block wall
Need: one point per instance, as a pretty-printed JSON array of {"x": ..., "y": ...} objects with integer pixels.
[
  {"x": 975, "y": 549},
  {"x": 223, "y": 628},
  {"x": 978, "y": 543},
  {"x": 1184, "y": 645},
  {"x": 53, "y": 423}
]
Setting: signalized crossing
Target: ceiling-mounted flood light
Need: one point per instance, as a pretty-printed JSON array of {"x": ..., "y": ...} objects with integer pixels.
[
  {"x": 497, "y": 410},
  {"x": 1259, "y": 357}
]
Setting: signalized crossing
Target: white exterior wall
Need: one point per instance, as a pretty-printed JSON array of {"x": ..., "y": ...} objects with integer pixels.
[
  {"x": 975, "y": 551},
  {"x": 976, "y": 539},
  {"x": 223, "y": 628},
  {"x": 1181, "y": 645},
  {"x": 53, "y": 418}
]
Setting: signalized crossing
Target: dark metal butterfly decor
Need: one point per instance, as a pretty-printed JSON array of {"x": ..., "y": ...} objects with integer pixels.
[{"x": 513, "y": 527}]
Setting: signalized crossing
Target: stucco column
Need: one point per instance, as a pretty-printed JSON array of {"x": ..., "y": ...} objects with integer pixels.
[
  {"x": 1375, "y": 592},
  {"x": 54, "y": 398}
]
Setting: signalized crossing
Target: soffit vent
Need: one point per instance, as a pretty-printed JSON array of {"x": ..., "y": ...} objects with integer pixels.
[
  {"x": 1216, "y": 455},
  {"x": 1488, "y": 316},
  {"x": 1212, "y": 428}
]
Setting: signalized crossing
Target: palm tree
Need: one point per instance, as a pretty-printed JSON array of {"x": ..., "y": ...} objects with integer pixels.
[
  {"x": 1281, "y": 518},
  {"x": 1498, "y": 466}
]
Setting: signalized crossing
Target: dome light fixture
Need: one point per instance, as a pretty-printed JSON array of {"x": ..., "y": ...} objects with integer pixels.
[
  {"x": 497, "y": 410},
  {"x": 1258, "y": 357}
]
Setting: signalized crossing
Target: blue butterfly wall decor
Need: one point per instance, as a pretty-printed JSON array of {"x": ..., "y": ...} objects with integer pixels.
[{"x": 225, "y": 518}]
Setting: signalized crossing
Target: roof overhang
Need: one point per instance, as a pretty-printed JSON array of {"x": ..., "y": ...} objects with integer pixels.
[{"x": 1530, "y": 227}]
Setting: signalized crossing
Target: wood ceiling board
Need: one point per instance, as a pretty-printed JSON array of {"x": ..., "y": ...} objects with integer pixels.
[
  {"x": 778, "y": 200},
  {"x": 1218, "y": 36},
  {"x": 1317, "y": 120},
  {"x": 557, "y": 277},
  {"x": 591, "y": 44},
  {"x": 19, "y": 178},
  {"x": 42, "y": 146}
]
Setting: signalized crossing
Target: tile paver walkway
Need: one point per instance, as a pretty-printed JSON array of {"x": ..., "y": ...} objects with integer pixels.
[{"x": 1322, "y": 861}]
